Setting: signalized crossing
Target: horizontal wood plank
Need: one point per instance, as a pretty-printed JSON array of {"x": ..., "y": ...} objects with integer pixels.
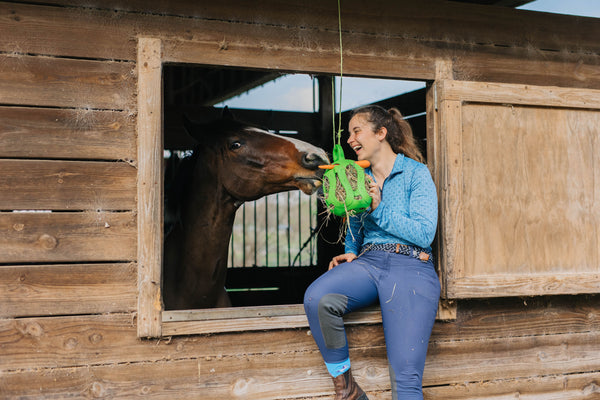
[
  {"x": 67, "y": 185},
  {"x": 67, "y": 237},
  {"x": 178, "y": 381},
  {"x": 455, "y": 23},
  {"x": 38, "y": 342},
  {"x": 519, "y": 67},
  {"x": 572, "y": 387},
  {"x": 504, "y": 93},
  {"x": 68, "y": 134},
  {"x": 235, "y": 319},
  {"x": 58, "y": 31},
  {"x": 511, "y": 285},
  {"x": 257, "y": 54},
  {"x": 300, "y": 374},
  {"x": 60, "y": 82},
  {"x": 557, "y": 49},
  {"x": 67, "y": 289},
  {"x": 284, "y": 320},
  {"x": 485, "y": 319}
]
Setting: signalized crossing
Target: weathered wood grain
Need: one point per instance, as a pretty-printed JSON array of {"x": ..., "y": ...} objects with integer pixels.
[
  {"x": 519, "y": 191},
  {"x": 39, "y": 290},
  {"x": 461, "y": 24},
  {"x": 531, "y": 282},
  {"x": 185, "y": 322},
  {"x": 450, "y": 192},
  {"x": 299, "y": 374},
  {"x": 150, "y": 187},
  {"x": 482, "y": 327},
  {"x": 67, "y": 237},
  {"x": 86, "y": 382},
  {"x": 572, "y": 387},
  {"x": 67, "y": 185},
  {"x": 514, "y": 94},
  {"x": 261, "y": 54},
  {"x": 60, "y": 82},
  {"x": 67, "y": 134},
  {"x": 497, "y": 66},
  {"x": 395, "y": 39},
  {"x": 71, "y": 32}
]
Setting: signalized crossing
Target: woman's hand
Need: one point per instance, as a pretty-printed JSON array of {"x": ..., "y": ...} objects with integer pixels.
[
  {"x": 375, "y": 194},
  {"x": 342, "y": 258}
]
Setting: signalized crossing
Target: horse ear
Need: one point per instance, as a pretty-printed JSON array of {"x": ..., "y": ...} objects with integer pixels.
[
  {"x": 226, "y": 113},
  {"x": 193, "y": 128}
]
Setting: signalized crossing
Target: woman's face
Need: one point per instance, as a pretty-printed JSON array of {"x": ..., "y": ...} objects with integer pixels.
[{"x": 363, "y": 140}]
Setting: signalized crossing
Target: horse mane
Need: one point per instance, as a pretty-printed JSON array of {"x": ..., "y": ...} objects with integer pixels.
[{"x": 178, "y": 188}]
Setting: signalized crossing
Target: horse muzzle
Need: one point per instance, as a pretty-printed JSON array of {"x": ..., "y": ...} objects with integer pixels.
[{"x": 308, "y": 185}]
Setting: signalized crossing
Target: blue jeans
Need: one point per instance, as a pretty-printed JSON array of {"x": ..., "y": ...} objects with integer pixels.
[{"x": 408, "y": 291}]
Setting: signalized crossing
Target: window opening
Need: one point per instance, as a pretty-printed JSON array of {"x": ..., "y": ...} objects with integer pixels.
[{"x": 279, "y": 243}]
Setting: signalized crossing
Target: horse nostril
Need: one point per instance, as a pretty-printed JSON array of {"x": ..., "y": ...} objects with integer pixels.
[{"x": 312, "y": 160}]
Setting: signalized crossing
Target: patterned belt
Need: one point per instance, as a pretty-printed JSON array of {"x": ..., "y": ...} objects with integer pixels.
[{"x": 413, "y": 251}]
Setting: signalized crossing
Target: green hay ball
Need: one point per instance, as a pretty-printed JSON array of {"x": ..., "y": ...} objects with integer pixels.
[{"x": 345, "y": 186}]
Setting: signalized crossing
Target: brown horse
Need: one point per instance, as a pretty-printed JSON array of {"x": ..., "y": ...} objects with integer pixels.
[{"x": 233, "y": 163}]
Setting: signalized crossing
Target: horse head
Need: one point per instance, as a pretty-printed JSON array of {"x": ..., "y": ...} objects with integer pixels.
[{"x": 251, "y": 162}]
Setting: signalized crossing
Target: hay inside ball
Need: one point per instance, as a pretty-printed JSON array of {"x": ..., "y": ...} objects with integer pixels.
[{"x": 346, "y": 187}]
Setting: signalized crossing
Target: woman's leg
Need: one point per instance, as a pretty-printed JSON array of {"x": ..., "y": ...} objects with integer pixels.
[
  {"x": 408, "y": 298},
  {"x": 343, "y": 289}
]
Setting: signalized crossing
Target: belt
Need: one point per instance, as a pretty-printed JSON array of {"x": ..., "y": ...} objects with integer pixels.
[{"x": 412, "y": 251}]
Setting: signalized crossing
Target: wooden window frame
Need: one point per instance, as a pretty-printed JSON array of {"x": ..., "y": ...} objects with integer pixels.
[{"x": 152, "y": 320}]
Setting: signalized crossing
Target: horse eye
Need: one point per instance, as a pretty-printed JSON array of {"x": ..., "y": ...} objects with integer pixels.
[{"x": 235, "y": 146}]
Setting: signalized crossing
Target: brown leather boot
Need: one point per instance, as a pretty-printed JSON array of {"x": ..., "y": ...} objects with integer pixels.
[{"x": 346, "y": 388}]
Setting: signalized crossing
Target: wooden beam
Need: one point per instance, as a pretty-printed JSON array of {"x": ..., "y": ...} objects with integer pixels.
[{"x": 150, "y": 186}]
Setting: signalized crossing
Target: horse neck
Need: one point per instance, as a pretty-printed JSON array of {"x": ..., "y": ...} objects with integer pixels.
[{"x": 208, "y": 211}]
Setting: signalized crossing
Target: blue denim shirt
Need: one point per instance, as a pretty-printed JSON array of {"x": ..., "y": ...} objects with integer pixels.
[{"x": 407, "y": 213}]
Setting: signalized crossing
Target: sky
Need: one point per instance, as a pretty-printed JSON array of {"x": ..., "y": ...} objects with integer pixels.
[{"x": 294, "y": 92}]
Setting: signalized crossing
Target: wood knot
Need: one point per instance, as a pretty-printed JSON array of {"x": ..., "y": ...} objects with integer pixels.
[
  {"x": 223, "y": 45},
  {"x": 71, "y": 343},
  {"x": 32, "y": 329},
  {"x": 48, "y": 242},
  {"x": 240, "y": 386},
  {"x": 95, "y": 338},
  {"x": 145, "y": 390},
  {"x": 97, "y": 390}
]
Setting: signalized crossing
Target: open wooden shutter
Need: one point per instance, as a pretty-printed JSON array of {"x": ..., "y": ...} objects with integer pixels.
[{"x": 518, "y": 172}]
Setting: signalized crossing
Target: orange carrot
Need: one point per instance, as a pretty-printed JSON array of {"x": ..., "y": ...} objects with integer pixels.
[
  {"x": 363, "y": 163},
  {"x": 326, "y": 166}
]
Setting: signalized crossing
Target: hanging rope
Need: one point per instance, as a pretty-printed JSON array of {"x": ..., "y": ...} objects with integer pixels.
[
  {"x": 345, "y": 185},
  {"x": 337, "y": 134}
]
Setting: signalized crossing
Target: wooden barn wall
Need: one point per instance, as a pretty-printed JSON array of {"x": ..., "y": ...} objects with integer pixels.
[{"x": 68, "y": 150}]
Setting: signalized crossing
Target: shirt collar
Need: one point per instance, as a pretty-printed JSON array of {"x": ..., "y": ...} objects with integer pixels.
[{"x": 398, "y": 167}]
